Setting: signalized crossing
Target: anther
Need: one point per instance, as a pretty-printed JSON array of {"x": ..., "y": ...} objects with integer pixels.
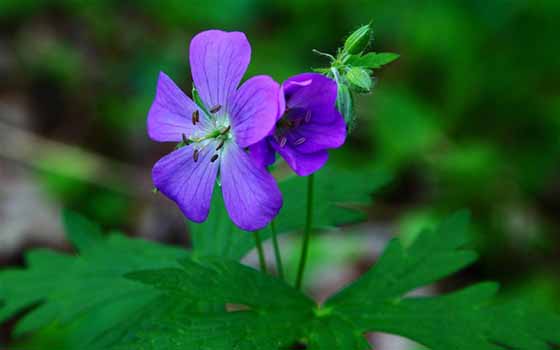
[
  {"x": 283, "y": 141},
  {"x": 307, "y": 116},
  {"x": 220, "y": 145},
  {"x": 214, "y": 157},
  {"x": 299, "y": 141},
  {"x": 215, "y": 109},
  {"x": 195, "y": 117},
  {"x": 185, "y": 140},
  {"x": 224, "y": 131},
  {"x": 195, "y": 155}
]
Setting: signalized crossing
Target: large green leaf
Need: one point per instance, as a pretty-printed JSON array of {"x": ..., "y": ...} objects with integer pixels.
[
  {"x": 464, "y": 320},
  {"x": 88, "y": 288},
  {"x": 130, "y": 294}
]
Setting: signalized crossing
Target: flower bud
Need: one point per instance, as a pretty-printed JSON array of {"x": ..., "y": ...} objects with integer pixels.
[
  {"x": 345, "y": 105},
  {"x": 358, "y": 40},
  {"x": 359, "y": 79}
]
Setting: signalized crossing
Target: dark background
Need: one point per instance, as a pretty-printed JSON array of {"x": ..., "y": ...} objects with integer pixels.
[{"x": 468, "y": 117}]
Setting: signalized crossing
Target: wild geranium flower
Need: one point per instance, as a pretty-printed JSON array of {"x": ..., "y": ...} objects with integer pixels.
[
  {"x": 309, "y": 125},
  {"x": 216, "y": 133}
]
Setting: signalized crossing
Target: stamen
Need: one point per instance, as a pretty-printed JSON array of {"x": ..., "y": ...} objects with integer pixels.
[
  {"x": 185, "y": 140},
  {"x": 299, "y": 141},
  {"x": 215, "y": 109},
  {"x": 195, "y": 117},
  {"x": 214, "y": 157},
  {"x": 195, "y": 156},
  {"x": 307, "y": 116},
  {"x": 224, "y": 131},
  {"x": 220, "y": 145},
  {"x": 283, "y": 141}
]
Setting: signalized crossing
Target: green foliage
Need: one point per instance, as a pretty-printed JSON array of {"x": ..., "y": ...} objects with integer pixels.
[
  {"x": 270, "y": 314},
  {"x": 129, "y": 294},
  {"x": 359, "y": 40},
  {"x": 359, "y": 79},
  {"x": 85, "y": 293},
  {"x": 218, "y": 236},
  {"x": 372, "y": 60},
  {"x": 340, "y": 196}
]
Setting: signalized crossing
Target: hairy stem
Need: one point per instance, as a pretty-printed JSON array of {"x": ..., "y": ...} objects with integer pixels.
[
  {"x": 306, "y": 232},
  {"x": 277, "y": 255},
  {"x": 260, "y": 250}
]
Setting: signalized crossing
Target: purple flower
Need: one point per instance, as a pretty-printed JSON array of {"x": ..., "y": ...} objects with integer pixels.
[
  {"x": 217, "y": 134},
  {"x": 310, "y": 125}
]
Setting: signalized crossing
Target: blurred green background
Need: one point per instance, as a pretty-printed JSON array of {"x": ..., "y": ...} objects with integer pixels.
[{"x": 468, "y": 117}]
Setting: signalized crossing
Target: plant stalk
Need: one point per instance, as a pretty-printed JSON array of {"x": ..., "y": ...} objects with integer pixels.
[
  {"x": 260, "y": 250},
  {"x": 277, "y": 255},
  {"x": 306, "y": 232}
]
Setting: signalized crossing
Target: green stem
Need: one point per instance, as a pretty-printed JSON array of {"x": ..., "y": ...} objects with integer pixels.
[
  {"x": 260, "y": 250},
  {"x": 306, "y": 232},
  {"x": 277, "y": 255}
]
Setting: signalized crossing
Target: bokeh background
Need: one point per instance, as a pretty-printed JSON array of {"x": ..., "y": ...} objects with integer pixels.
[{"x": 468, "y": 117}]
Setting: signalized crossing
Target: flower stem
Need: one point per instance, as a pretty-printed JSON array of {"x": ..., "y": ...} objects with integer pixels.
[
  {"x": 277, "y": 255},
  {"x": 306, "y": 232},
  {"x": 260, "y": 250}
]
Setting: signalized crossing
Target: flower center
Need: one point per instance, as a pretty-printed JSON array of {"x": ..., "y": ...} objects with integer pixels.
[
  {"x": 287, "y": 127},
  {"x": 213, "y": 132}
]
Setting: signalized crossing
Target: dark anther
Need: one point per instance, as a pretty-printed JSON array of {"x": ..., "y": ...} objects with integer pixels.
[
  {"x": 299, "y": 141},
  {"x": 214, "y": 157},
  {"x": 195, "y": 117},
  {"x": 307, "y": 116},
  {"x": 283, "y": 141},
  {"x": 220, "y": 145},
  {"x": 185, "y": 140},
  {"x": 215, "y": 109},
  {"x": 223, "y": 132},
  {"x": 195, "y": 155}
]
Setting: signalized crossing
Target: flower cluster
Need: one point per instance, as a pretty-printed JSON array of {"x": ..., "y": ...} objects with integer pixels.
[{"x": 228, "y": 134}]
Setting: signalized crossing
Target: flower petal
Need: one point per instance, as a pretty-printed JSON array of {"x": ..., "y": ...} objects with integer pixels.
[
  {"x": 171, "y": 113},
  {"x": 313, "y": 137},
  {"x": 218, "y": 62},
  {"x": 262, "y": 153},
  {"x": 314, "y": 92},
  {"x": 303, "y": 164},
  {"x": 251, "y": 195},
  {"x": 188, "y": 183},
  {"x": 254, "y": 109}
]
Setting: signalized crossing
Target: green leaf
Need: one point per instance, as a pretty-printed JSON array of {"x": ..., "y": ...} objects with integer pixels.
[
  {"x": 87, "y": 293},
  {"x": 81, "y": 232},
  {"x": 218, "y": 236},
  {"x": 270, "y": 313},
  {"x": 340, "y": 196},
  {"x": 359, "y": 79},
  {"x": 463, "y": 320},
  {"x": 372, "y": 60}
]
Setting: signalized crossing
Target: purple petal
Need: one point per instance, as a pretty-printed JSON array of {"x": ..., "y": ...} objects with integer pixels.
[
  {"x": 171, "y": 113},
  {"x": 251, "y": 195},
  {"x": 262, "y": 153},
  {"x": 190, "y": 184},
  {"x": 302, "y": 164},
  {"x": 218, "y": 62},
  {"x": 254, "y": 109},
  {"x": 313, "y": 137},
  {"x": 319, "y": 96}
]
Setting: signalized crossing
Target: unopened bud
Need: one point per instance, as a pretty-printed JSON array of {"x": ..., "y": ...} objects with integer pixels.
[{"x": 358, "y": 41}]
